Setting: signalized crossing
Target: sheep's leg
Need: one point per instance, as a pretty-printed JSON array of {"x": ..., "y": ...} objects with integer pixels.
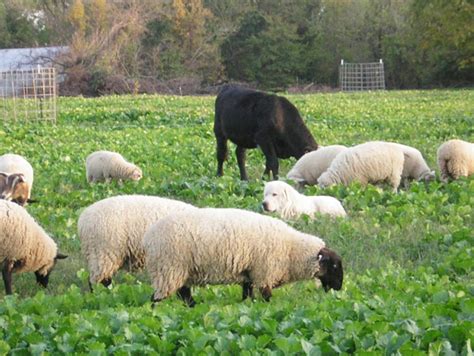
[
  {"x": 222, "y": 154},
  {"x": 240, "y": 153},
  {"x": 185, "y": 294},
  {"x": 247, "y": 290},
  {"x": 266, "y": 293},
  {"x": 7, "y": 276},
  {"x": 106, "y": 282}
]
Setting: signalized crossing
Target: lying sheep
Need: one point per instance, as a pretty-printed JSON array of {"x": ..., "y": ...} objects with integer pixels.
[
  {"x": 370, "y": 162},
  {"x": 19, "y": 186},
  {"x": 456, "y": 159},
  {"x": 309, "y": 167},
  {"x": 105, "y": 166},
  {"x": 414, "y": 165},
  {"x": 24, "y": 246},
  {"x": 280, "y": 197},
  {"x": 111, "y": 232},
  {"x": 223, "y": 246}
]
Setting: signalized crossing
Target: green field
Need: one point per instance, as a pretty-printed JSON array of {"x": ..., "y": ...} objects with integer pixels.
[{"x": 408, "y": 257}]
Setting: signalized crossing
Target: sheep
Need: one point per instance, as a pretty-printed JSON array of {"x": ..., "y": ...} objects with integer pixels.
[
  {"x": 309, "y": 167},
  {"x": 107, "y": 165},
  {"x": 225, "y": 246},
  {"x": 21, "y": 183},
  {"x": 25, "y": 246},
  {"x": 111, "y": 232},
  {"x": 414, "y": 165},
  {"x": 280, "y": 197},
  {"x": 455, "y": 159},
  {"x": 370, "y": 162}
]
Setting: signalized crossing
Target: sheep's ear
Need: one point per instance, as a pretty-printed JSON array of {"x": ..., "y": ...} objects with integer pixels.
[{"x": 60, "y": 256}]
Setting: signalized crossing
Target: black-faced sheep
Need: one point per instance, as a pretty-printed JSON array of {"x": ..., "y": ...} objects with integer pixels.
[
  {"x": 24, "y": 246},
  {"x": 224, "y": 246},
  {"x": 251, "y": 118}
]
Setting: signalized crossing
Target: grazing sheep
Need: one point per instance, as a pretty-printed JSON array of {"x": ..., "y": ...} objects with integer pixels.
[
  {"x": 282, "y": 198},
  {"x": 24, "y": 246},
  {"x": 456, "y": 159},
  {"x": 223, "y": 246},
  {"x": 414, "y": 165},
  {"x": 251, "y": 118},
  {"x": 11, "y": 163},
  {"x": 111, "y": 232},
  {"x": 106, "y": 165},
  {"x": 309, "y": 167},
  {"x": 13, "y": 187},
  {"x": 370, "y": 162}
]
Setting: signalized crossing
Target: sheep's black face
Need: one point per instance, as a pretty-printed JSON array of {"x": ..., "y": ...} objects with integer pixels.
[
  {"x": 42, "y": 280},
  {"x": 330, "y": 269}
]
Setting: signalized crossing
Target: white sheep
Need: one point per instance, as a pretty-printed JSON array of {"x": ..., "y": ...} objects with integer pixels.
[
  {"x": 21, "y": 184},
  {"x": 111, "y": 232},
  {"x": 25, "y": 246},
  {"x": 282, "y": 198},
  {"x": 107, "y": 165},
  {"x": 456, "y": 159},
  {"x": 370, "y": 162},
  {"x": 309, "y": 167},
  {"x": 224, "y": 246},
  {"x": 414, "y": 165}
]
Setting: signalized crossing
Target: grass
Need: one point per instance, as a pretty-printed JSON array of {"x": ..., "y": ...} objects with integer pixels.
[{"x": 404, "y": 254}]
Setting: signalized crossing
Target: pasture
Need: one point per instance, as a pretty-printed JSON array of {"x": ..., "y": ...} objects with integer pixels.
[{"x": 408, "y": 257}]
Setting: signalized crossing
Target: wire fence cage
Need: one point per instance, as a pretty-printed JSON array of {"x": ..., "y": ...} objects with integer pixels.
[
  {"x": 28, "y": 94},
  {"x": 361, "y": 76}
]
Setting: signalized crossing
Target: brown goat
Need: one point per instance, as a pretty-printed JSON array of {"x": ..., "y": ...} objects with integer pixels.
[{"x": 13, "y": 187}]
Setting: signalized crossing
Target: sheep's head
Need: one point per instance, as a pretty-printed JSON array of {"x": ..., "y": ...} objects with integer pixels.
[
  {"x": 42, "y": 275},
  {"x": 427, "y": 177},
  {"x": 137, "y": 174},
  {"x": 330, "y": 269}
]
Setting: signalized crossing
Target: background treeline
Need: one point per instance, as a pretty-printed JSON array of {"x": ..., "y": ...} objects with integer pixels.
[{"x": 149, "y": 45}]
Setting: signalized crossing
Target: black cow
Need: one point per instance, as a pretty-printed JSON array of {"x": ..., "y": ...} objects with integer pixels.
[{"x": 251, "y": 118}]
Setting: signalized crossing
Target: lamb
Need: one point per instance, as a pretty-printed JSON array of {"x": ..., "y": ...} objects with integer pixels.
[
  {"x": 455, "y": 159},
  {"x": 111, "y": 232},
  {"x": 282, "y": 198},
  {"x": 18, "y": 186},
  {"x": 309, "y": 167},
  {"x": 370, "y": 162},
  {"x": 106, "y": 165},
  {"x": 25, "y": 246},
  {"x": 224, "y": 246},
  {"x": 414, "y": 165}
]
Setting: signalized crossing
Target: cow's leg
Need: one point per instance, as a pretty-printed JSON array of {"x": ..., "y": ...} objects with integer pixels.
[
  {"x": 240, "y": 153},
  {"x": 271, "y": 163},
  {"x": 222, "y": 153},
  {"x": 7, "y": 276}
]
